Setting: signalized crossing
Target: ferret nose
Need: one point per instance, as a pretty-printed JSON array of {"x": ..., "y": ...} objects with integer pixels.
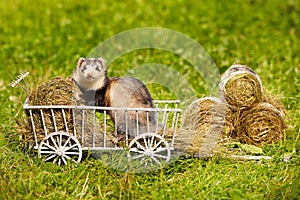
[{"x": 90, "y": 75}]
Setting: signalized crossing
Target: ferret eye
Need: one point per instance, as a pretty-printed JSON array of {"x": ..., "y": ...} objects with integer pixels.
[
  {"x": 83, "y": 68},
  {"x": 98, "y": 69}
]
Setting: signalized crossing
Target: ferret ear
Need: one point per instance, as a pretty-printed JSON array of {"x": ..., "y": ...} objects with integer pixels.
[
  {"x": 101, "y": 61},
  {"x": 80, "y": 61}
]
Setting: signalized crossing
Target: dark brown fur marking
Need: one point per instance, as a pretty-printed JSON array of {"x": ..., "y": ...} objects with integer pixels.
[{"x": 128, "y": 92}]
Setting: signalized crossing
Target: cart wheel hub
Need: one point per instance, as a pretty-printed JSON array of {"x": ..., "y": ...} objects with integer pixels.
[
  {"x": 148, "y": 153},
  {"x": 59, "y": 153}
]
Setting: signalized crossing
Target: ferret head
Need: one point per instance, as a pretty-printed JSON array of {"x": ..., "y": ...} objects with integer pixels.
[{"x": 91, "y": 69}]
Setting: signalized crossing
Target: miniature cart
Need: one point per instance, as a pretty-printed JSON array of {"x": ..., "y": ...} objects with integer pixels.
[{"x": 90, "y": 128}]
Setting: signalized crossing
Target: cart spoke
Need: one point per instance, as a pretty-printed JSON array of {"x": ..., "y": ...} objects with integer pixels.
[
  {"x": 69, "y": 158},
  {"x": 47, "y": 152},
  {"x": 49, "y": 146},
  {"x": 157, "y": 144},
  {"x": 145, "y": 142},
  {"x": 140, "y": 146},
  {"x": 152, "y": 140},
  {"x": 71, "y": 147},
  {"x": 60, "y": 139},
  {"x": 64, "y": 160},
  {"x": 135, "y": 150},
  {"x": 68, "y": 140},
  {"x": 53, "y": 141},
  {"x": 138, "y": 156},
  {"x": 153, "y": 158},
  {"x": 50, "y": 157},
  {"x": 160, "y": 150},
  {"x": 72, "y": 153},
  {"x": 144, "y": 161},
  {"x": 55, "y": 159},
  {"x": 160, "y": 156},
  {"x": 59, "y": 160}
]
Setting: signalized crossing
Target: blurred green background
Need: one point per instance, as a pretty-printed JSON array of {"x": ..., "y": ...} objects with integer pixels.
[{"x": 47, "y": 37}]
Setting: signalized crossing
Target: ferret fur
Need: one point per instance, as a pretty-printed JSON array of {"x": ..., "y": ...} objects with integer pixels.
[
  {"x": 127, "y": 92},
  {"x": 91, "y": 78}
]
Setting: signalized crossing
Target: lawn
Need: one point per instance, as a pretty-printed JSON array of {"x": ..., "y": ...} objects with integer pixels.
[{"x": 46, "y": 38}]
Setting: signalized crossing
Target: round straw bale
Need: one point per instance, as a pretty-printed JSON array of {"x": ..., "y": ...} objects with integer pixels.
[
  {"x": 56, "y": 91},
  {"x": 240, "y": 87},
  {"x": 275, "y": 101},
  {"x": 263, "y": 123},
  {"x": 59, "y": 91},
  {"x": 231, "y": 120},
  {"x": 202, "y": 124}
]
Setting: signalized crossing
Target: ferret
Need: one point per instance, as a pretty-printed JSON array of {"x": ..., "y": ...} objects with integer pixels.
[
  {"x": 91, "y": 78},
  {"x": 125, "y": 92}
]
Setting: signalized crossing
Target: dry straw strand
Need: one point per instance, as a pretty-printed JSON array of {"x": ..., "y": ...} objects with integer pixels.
[
  {"x": 202, "y": 126},
  {"x": 256, "y": 116},
  {"x": 261, "y": 124},
  {"x": 240, "y": 87},
  {"x": 59, "y": 91}
]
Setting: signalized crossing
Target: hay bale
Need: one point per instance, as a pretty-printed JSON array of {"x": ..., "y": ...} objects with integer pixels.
[
  {"x": 262, "y": 124},
  {"x": 202, "y": 126},
  {"x": 59, "y": 91},
  {"x": 275, "y": 101},
  {"x": 56, "y": 91},
  {"x": 240, "y": 87},
  {"x": 231, "y": 121},
  {"x": 235, "y": 116}
]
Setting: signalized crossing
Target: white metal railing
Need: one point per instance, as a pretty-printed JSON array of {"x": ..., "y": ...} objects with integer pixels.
[{"x": 166, "y": 122}]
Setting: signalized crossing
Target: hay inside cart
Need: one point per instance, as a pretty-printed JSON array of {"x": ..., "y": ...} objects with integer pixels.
[{"x": 62, "y": 133}]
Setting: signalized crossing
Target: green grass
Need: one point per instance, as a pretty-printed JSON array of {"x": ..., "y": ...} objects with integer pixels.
[{"x": 47, "y": 37}]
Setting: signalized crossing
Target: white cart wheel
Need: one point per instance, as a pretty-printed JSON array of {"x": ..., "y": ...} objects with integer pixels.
[
  {"x": 149, "y": 150},
  {"x": 58, "y": 147}
]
